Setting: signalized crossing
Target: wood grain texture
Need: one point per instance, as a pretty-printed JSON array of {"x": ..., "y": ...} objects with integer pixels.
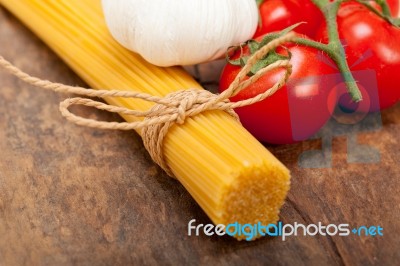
[{"x": 73, "y": 195}]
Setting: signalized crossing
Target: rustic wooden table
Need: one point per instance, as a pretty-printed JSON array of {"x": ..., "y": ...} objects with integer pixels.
[{"x": 74, "y": 195}]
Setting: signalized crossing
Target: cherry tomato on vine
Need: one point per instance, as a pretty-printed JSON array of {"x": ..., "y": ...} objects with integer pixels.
[
  {"x": 276, "y": 15},
  {"x": 295, "y": 112},
  {"x": 373, "y": 44}
]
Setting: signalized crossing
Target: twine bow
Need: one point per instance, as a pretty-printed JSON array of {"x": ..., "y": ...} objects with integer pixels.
[{"x": 172, "y": 109}]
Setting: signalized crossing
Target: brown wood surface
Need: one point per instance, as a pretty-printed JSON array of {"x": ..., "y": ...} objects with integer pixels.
[{"x": 74, "y": 195}]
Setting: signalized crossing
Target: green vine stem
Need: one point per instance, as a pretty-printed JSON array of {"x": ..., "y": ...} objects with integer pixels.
[
  {"x": 385, "y": 13},
  {"x": 385, "y": 7},
  {"x": 334, "y": 48}
]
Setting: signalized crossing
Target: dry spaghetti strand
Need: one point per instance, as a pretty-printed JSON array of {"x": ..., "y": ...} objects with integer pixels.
[{"x": 173, "y": 108}]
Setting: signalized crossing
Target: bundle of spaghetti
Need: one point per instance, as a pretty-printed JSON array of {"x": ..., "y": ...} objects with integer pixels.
[{"x": 228, "y": 172}]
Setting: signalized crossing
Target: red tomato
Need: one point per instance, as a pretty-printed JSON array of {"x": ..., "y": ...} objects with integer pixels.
[
  {"x": 277, "y": 15},
  {"x": 298, "y": 110},
  {"x": 371, "y": 44},
  {"x": 394, "y": 7}
]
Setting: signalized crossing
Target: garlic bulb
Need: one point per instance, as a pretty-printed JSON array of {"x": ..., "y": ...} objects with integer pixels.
[{"x": 180, "y": 32}]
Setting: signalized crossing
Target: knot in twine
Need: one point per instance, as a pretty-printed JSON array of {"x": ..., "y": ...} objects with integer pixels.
[{"x": 172, "y": 109}]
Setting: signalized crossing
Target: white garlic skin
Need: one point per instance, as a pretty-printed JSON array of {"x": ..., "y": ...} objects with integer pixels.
[{"x": 180, "y": 32}]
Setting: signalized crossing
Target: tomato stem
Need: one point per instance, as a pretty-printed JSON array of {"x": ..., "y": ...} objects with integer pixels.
[
  {"x": 334, "y": 49},
  {"x": 314, "y": 44},
  {"x": 385, "y": 14},
  {"x": 370, "y": 7},
  {"x": 385, "y": 8}
]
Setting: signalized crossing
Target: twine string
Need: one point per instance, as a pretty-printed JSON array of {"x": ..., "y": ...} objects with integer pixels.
[{"x": 172, "y": 109}]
